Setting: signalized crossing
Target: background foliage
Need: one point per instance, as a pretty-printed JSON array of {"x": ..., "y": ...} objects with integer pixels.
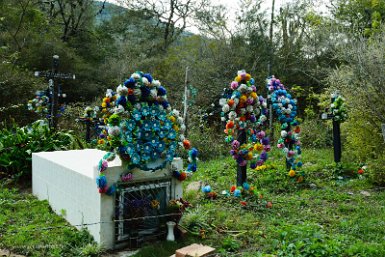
[
  {"x": 17, "y": 145},
  {"x": 312, "y": 52}
]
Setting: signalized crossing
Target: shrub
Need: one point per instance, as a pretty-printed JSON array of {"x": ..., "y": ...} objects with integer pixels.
[
  {"x": 209, "y": 143},
  {"x": 17, "y": 145},
  {"x": 377, "y": 172},
  {"x": 230, "y": 244},
  {"x": 363, "y": 137},
  {"x": 316, "y": 134}
]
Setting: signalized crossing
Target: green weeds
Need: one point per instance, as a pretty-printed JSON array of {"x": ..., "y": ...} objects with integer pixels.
[
  {"x": 28, "y": 226},
  {"x": 323, "y": 216}
]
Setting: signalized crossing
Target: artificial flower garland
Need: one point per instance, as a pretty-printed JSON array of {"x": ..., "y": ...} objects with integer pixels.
[
  {"x": 41, "y": 105},
  {"x": 101, "y": 180},
  {"x": 142, "y": 128},
  {"x": 285, "y": 107},
  {"x": 338, "y": 109},
  {"x": 242, "y": 109},
  {"x": 244, "y": 193}
]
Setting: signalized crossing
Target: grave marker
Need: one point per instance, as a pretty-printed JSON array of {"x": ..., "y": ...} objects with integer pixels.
[
  {"x": 54, "y": 90},
  {"x": 245, "y": 113},
  {"x": 338, "y": 115}
]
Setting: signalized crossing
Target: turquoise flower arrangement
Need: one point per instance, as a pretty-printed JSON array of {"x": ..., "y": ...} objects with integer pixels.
[{"x": 142, "y": 128}]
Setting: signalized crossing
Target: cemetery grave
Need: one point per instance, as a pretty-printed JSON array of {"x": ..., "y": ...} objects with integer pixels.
[
  {"x": 138, "y": 194},
  {"x": 192, "y": 128}
]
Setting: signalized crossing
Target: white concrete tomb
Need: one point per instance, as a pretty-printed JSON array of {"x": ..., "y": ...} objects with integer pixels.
[{"x": 67, "y": 180}]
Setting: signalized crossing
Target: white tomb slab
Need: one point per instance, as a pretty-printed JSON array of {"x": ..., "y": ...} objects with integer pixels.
[{"x": 67, "y": 180}]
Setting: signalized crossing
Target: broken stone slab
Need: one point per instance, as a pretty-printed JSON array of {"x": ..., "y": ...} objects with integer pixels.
[
  {"x": 365, "y": 193},
  {"x": 194, "y": 186},
  {"x": 6, "y": 253},
  {"x": 194, "y": 250}
]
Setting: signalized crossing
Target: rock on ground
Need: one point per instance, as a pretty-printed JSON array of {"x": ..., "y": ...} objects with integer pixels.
[
  {"x": 6, "y": 253},
  {"x": 194, "y": 186}
]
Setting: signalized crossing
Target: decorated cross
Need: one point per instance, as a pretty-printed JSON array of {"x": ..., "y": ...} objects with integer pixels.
[
  {"x": 245, "y": 114},
  {"x": 284, "y": 107},
  {"x": 54, "y": 90},
  {"x": 89, "y": 118},
  {"x": 338, "y": 114}
]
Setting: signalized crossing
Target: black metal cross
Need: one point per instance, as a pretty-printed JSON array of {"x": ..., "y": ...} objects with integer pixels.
[
  {"x": 241, "y": 170},
  {"x": 53, "y": 89},
  {"x": 336, "y": 133}
]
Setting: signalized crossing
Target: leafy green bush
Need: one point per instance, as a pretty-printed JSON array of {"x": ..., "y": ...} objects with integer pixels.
[
  {"x": 316, "y": 134},
  {"x": 363, "y": 137},
  {"x": 209, "y": 143},
  {"x": 377, "y": 172},
  {"x": 17, "y": 145},
  {"x": 308, "y": 240},
  {"x": 230, "y": 244}
]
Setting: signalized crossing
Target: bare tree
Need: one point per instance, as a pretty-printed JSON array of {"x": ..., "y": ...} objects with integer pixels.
[
  {"x": 213, "y": 21},
  {"x": 17, "y": 22},
  {"x": 172, "y": 17},
  {"x": 72, "y": 15}
]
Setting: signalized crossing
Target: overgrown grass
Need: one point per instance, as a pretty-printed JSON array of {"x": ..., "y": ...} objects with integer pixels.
[
  {"x": 332, "y": 213},
  {"x": 28, "y": 226}
]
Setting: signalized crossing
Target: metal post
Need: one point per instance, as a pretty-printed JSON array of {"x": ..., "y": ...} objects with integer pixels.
[
  {"x": 271, "y": 120},
  {"x": 337, "y": 141},
  {"x": 336, "y": 133},
  {"x": 88, "y": 131},
  {"x": 55, "y": 67},
  {"x": 270, "y": 64},
  {"x": 269, "y": 69},
  {"x": 289, "y": 146},
  {"x": 241, "y": 170},
  {"x": 51, "y": 91},
  {"x": 185, "y": 101},
  {"x": 336, "y": 129}
]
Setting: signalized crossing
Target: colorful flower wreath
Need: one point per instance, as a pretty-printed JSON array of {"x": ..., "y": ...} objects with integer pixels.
[
  {"x": 338, "y": 109},
  {"x": 285, "y": 107},
  {"x": 41, "y": 105},
  {"x": 142, "y": 128},
  {"x": 247, "y": 194},
  {"x": 245, "y": 112}
]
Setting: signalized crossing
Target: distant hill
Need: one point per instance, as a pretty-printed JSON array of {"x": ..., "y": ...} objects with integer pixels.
[{"x": 106, "y": 12}]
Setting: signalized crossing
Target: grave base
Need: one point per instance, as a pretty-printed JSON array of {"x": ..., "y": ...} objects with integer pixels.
[{"x": 67, "y": 180}]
